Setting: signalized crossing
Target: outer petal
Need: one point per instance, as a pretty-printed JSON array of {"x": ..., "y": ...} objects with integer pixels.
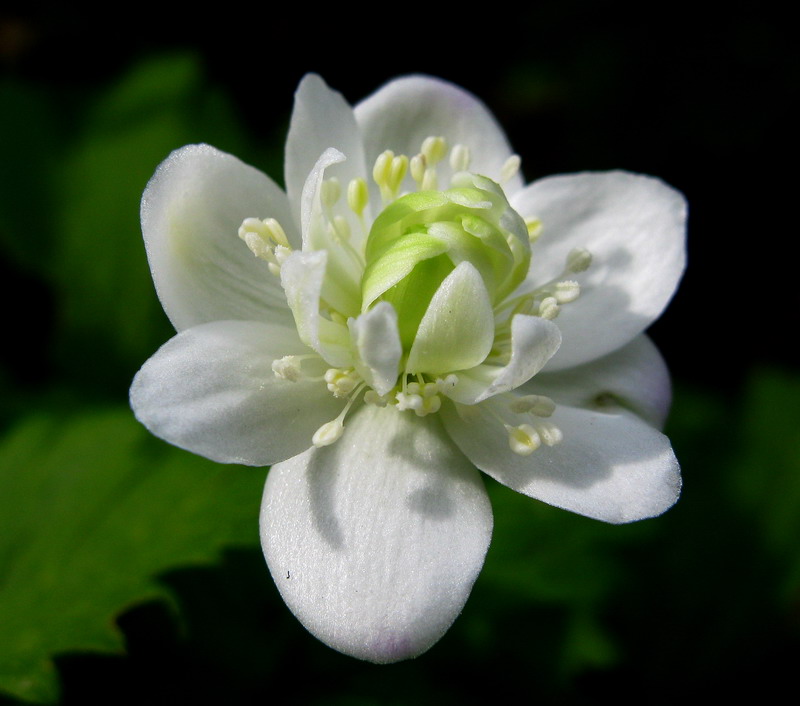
[
  {"x": 633, "y": 378},
  {"x": 635, "y": 228},
  {"x": 191, "y": 212},
  {"x": 321, "y": 119},
  {"x": 534, "y": 341},
  {"x": 404, "y": 112},
  {"x": 375, "y": 541},
  {"x": 612, "y": 467},
  {"x": 211, "y": 390}
]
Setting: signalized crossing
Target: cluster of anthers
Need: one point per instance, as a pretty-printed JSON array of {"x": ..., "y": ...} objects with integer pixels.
[{"x": 348, "y": 229}]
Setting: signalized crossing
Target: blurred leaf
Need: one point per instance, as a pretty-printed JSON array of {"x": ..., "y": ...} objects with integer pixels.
[
  {"x": 110, "y": 313},
  {"x": 93, "y": 508},
  {"x": 767, "y": 471},
  {"x": 30, "y": 147}
]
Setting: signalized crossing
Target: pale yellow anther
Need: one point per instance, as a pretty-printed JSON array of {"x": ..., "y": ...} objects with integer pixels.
[
  {"x": 276, "y": 232},
  {"x": 578, "y": 260},
  {"x": 510, "y": 168},
  {"x": 357, "y": 196},
  {"x": 397, "y": 172},
  {"x": 460, "y": 158},
  {"x": 258, "y": 245},
  {"x": 287, "y": 368},
  {"x": 417, "y": 166},
  {"x": 382, "y": 168},
  {"x": 523, "y": 439},
  {"x": 434, "y": 149},
  {"x": 341, "y": 381},
  {"x": 342, "y": 228},
  {"x": 329, "y": 191},
  {"x": 537, "y": 405},
  {"x": 534, "y": 226},
  {"x": 567, "y": 291},
  {"x": 549, "y": 308},
  {"x": 549, "y": 433},
  {"x": 430, "y": 180},
  {"x": 328, "y": 433}
]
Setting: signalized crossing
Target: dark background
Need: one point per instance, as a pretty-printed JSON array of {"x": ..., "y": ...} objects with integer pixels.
[{"x": 704, "y": 599}]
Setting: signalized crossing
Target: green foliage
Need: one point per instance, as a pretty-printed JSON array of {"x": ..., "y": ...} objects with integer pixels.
[{"x": 93, "y": 509}]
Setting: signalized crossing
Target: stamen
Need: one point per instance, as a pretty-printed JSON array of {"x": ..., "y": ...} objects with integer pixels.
[
  {"x": 567, "y": 291},
  {"x": 341, "y": 381},
  {"x": 523, "y": 439},
  {"x": 534, "y": 226},
  {"x": 332, "y": 431},
  {"x": 434, "y": 149},
  {"x": 357, "y": 196},
  {"x": 430, "y": 180},
  {"x": 289, "y": 367},
  {"x": 510, "y": 168},
  {"x": 549, "y": 308},
  {"x": 417, "y": 167},
  {"x": 265, "y": 239},
  {"x": 328, "y": 433},
  {"x": 578, "y": 260},
  {"x": 388, "y": 173},
  {"x": 460, "y": 158},
  {"x": 538, "y": 405},
  {"x": 329, "y": 192},
  {"x": 549, "y": 433}
]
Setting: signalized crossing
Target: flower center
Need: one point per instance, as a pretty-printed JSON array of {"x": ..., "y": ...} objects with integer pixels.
[{"x": 421, "y": 295}]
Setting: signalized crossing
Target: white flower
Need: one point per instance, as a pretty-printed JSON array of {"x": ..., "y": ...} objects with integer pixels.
[{"x": 395, "y": 331}]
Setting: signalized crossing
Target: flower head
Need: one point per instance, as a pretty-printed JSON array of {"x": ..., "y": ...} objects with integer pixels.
[{"x": 407, "y": 313}]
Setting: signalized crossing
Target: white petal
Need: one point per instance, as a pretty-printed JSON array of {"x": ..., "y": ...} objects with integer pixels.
[
  {"x": 461, "y": 304},
  {"x": 375, "y": 541},
  {"x": 321, "y": 118},
  {"x": 633, "y": 378},
  {"x": 401, "y": 114},
  {"x": 612, "y": 467},
  {"x": 342, "y": 285},
  {"x": 211, "y": 390},
  {"x": 534, "y": 341},
  {"x": 635, "y": 228},
  {"x": 302, "y": 277},
  {"x": 377, "y": 340},
  {"x": 191, "y": 212}
]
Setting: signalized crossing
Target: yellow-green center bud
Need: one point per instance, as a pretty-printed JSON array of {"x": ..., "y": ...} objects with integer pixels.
[{"x": 419, "y": 239}]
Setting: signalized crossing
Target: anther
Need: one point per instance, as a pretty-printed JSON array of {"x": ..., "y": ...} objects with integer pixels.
[
  {"x": 417, "y": 166},
  {"x": 578, "y": 260},
  {"x": 567, "y": 291},
  {"x": 329, "y": 191},
  {"x": 287, "y": 368},
  {"x": 538, "y": 405},
  {"x": 523, "y": 439},
  {"x": 549, "y": 433},
  {"x": 328, "y": 433},
  {"x": 341, "y": 381},
  {"x": 549, "y": 308},
  {"x": 434, "y": 149},
  {"x": 510, "y": 168},
  {"x": 357, "y": 196},
  {"x": 534, "y": 226},
  {"x": 460, "y": 158}
]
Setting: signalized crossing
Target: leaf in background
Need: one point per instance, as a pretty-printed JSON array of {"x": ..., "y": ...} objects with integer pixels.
[
  {"x": 92, "y": 509},
  {"x": 111, "y": 318},
  {"x": 767, "y": 470}
]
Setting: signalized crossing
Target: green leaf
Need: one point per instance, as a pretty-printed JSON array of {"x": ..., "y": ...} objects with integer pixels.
[
  {"x": 93, "y": 510},
  {"x": 767, "y": 468},
  {"x": 110, "y": 315}
]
